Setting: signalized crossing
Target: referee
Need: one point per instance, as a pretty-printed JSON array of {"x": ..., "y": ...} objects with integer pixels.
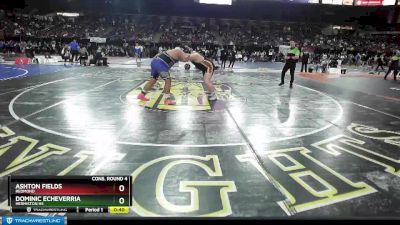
[
  {"x": 394, "y": 65},
  {"x": 291, "y": 60}
]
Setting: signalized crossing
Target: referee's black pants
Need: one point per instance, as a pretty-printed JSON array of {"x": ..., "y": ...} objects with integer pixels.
[
  {"x": 292, "y": 67},
  {"x": 395, "y": 72}
]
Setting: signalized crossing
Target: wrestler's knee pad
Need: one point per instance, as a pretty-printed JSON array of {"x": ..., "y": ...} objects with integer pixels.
[{"x": 165, "y": 75}]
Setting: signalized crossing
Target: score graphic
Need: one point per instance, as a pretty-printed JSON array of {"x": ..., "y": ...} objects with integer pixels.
[
  {"x": 374, "y": 2},
  {"x": 80, "y": 194},
  {"x": 337, "y": 2}
]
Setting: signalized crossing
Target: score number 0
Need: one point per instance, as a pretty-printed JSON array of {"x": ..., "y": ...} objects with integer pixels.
[{"x": 121, "y": 200}]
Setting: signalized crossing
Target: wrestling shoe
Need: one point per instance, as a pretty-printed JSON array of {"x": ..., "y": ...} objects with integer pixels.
[
  {"x": 142, "y": 97},
  {"x": 212, "y": 97},
  {"x": 169, "y": 101},
  {"x": 281, "y": 84}
]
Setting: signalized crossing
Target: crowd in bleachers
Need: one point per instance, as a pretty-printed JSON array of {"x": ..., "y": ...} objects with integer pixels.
[
  {"x": 252, "y": 40},
  {"x": 188, "y": 32}
]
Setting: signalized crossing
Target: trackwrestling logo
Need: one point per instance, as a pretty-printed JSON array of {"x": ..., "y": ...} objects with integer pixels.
[
  {"x": 188, "y": 95},
  {"x": 32, "y": 220}
]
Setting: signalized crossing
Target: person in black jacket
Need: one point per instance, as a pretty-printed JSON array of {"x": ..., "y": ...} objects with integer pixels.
[
  {"x": 380, "y": 63},
  {"x": 224, "y": 57},
  {"x": 232, "y": 58},
  {"x": 304, "y": 61}
]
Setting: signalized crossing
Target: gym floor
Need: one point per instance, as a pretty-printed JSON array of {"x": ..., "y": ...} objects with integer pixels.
[{"x": 324, "y": 149}]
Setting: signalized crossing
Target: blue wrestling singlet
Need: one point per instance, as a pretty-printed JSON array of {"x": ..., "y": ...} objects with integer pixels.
[{"x": 161, "y": 64}]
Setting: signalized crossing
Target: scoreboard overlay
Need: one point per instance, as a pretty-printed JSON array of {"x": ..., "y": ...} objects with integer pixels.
[{"x": 76, "y": 194}]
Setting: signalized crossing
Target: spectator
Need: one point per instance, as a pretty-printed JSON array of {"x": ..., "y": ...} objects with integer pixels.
[
  {"x": 125, "y": 46},
  {"x": 22, "y": 46},
  {"x": 224, "y": 57},
  {"x": 232, "y": 58},
  {"x": 83, "y": 56},
  {"x": 218, "y": 56},
  {"x": 65, "y": 54},
  {"x": 74, "y": 46},
  {"x": 304, "y": 61},
  {"x": 380, "y": 61},
  {"x": 100, "y": 58}
]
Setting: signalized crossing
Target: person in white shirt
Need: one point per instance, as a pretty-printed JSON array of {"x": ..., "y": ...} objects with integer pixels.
[
  {"x": 138, "y": 52},
  {"x": 65, "y": 54}
]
